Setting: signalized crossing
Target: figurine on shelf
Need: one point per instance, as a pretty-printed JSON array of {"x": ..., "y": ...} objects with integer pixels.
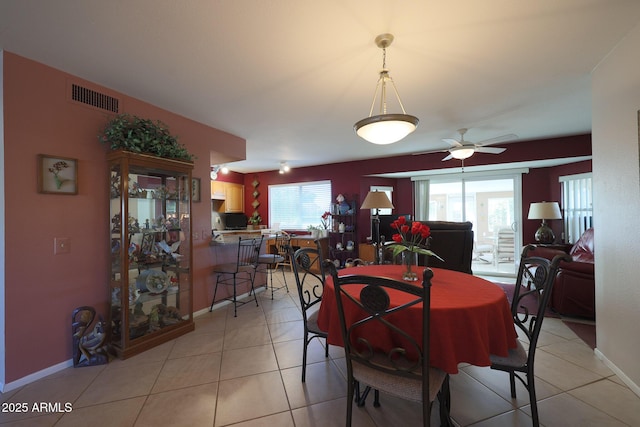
[
  {"x": 88, "y": 346},
  {"x": 343, "y": 207}
]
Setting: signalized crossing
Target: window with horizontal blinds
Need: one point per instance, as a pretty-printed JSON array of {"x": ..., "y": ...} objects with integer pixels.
[
  {"x": 577, "y": 204},
  {"x": 296, "y": 206}
]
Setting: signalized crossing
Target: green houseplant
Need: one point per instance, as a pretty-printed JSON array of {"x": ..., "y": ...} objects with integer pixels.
[{"x": 131, "y": 133}]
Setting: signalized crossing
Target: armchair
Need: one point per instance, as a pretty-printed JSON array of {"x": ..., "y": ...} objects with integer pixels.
[{"x": 574, "y": 289}]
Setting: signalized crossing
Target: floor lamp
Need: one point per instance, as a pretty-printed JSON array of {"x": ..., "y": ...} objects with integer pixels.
[{"x": 376, "y": 200}]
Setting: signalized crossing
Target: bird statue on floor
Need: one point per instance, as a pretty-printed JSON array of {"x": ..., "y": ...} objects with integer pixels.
[{"x": 88, "y": 345}]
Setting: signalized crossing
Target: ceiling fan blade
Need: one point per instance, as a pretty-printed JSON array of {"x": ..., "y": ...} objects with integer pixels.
[
  {"x": 503, "y": 138},
  {"x": 449, "y": 157},
  {"x": 490, "y": 150},
  {"x": 429, "y": 152},
  {"x": 452, "y": 142}
]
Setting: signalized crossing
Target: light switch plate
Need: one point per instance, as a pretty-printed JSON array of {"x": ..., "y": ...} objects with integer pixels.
[{"x": 61, "y": 245}]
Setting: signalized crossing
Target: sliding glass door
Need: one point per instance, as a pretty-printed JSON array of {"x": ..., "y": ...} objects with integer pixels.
[{"x": 490, "y": 203}]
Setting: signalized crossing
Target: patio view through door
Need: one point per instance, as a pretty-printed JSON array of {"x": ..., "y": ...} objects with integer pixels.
[{"x": 490, "y": 203}]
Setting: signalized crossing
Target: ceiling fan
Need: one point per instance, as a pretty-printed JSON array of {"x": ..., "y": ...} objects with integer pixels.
[{"x": 461, "y": 149}]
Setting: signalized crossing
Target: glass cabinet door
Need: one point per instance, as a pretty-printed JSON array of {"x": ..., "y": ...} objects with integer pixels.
[{"x": 150, "y": 254}]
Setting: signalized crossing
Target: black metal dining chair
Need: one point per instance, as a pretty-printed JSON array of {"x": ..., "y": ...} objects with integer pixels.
[
  {"x": 536, "y": 276},
  {"x": 243, "y": 270},
  {"x": 309, "y": 274},
  {"x": 403, "y": 371}
]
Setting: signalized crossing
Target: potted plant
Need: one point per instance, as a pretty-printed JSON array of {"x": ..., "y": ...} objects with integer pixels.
[
  {"x": 254, "y": 221},
  {"x": 131, "y": 133}
]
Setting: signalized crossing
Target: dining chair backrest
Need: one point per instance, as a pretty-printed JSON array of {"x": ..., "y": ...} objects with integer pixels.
[
  {"x": 282, "y": 243},
  {"x": 404, "y": 370},
  {"x": 307, "y": 267},
  {"x": 309, "y": 275},
  {"x": 536, "y": 276}
]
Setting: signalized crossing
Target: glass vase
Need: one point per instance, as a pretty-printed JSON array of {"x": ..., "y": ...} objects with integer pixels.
[{"x": 410, "y": 263}]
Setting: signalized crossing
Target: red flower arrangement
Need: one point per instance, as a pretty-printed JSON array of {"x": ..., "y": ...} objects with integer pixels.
[{"x": 411, "y": 239}]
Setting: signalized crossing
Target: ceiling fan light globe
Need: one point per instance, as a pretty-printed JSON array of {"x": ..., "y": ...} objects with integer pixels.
[
  {"x": 386, "y": 128},
  {"x": 461, "y": 153}
]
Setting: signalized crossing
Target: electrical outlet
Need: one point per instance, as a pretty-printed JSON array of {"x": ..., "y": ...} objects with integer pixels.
[
  {"x": 61, "y": 245},
  {"x": 196, "y": 235}
]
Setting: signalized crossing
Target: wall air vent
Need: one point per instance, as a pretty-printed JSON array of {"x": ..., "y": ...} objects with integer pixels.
[{"x": 94, "y": 99}]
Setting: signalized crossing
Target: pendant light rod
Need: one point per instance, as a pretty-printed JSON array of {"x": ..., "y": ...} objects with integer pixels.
[{"x": 385, "y": 128}]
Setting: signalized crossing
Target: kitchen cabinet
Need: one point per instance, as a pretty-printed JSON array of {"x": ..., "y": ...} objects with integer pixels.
[
  {"x": 234, "y": 202},
  {"x": 231, "y": 195}
]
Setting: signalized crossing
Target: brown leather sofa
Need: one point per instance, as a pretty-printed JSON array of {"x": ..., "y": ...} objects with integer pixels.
[
  {"x": 574, "y": 288},
  {"x": 451, "y": 241}
]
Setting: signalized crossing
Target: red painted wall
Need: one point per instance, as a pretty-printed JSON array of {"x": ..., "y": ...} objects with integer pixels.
[
  {"x": 42, "y": 289},
  {"x": 350, "y": 178}
]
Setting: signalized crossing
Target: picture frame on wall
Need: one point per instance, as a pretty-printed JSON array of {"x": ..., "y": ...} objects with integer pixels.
[
  {"x": 195, "y": 189},
  {"x": 57, "y": 175}
]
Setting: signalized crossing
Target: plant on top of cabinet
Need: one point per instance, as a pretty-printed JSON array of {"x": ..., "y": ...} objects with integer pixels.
[{"x": 131, "y": 133}]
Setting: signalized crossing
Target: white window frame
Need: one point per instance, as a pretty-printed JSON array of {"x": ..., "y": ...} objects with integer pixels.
[
  {"x": 577, "y": 205},
  {"x": 301, "y": 207}
]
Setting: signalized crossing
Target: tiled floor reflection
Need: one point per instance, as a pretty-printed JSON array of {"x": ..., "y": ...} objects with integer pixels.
[{"x": 245, "y": 371}]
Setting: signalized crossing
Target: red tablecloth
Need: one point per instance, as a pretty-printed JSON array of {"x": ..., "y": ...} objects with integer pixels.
[{"x": 470, "y": 317}]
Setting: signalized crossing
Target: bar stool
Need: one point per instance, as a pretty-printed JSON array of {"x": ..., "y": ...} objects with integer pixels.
[
  {"x": 243, "y": 270},
  {"x": 273, "y": 259}
]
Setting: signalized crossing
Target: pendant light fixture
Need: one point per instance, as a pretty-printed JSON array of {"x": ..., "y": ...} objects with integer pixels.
[{"x": 385, "y": 128}]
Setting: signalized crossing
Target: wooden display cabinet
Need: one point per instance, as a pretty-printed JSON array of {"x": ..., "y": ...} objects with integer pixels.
[{"x": 150, "y": 283}]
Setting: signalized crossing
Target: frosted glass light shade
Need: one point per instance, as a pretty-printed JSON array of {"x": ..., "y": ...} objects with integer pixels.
[{"x": 386, "y": 128}]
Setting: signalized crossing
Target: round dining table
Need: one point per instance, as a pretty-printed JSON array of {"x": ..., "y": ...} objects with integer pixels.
[{"x": 470, "y": 317}]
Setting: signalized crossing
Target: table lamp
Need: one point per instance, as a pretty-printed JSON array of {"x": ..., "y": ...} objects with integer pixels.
[
  {"x": 544, "y": 211},
  {"x": 376, "y": 200}
]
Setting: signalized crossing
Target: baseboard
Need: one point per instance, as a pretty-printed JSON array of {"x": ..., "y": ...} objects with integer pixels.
[
  {"x": 36, "y": 376},
  {"x": 68, "y": 363},
  {"x": 625, "y": 379}
]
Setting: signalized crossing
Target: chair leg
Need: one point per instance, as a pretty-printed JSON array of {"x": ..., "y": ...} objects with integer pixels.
[
  {"x": 215, "y": 291},
  {"x": 235, "y": 302},
  {"x": 350, "y": 389},
  {"x": 444, "y": 398},
  {"x": 253, "y": 279},
  {"x": 512, "y": 383},
  {"x": 304, "y": 356},
  {"x": 284, "y": 278},
  {"x": 532, "y": 398}
]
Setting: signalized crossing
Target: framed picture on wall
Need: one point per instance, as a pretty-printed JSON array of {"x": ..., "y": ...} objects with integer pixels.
[
  {"x": 195, "y": 189},
  {"x": 57, "y": 175}
]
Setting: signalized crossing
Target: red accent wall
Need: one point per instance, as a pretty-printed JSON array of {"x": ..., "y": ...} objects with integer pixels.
[{"x": 352, "y": 180}]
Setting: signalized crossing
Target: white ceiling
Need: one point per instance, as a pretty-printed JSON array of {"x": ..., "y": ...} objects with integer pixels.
[{"x": 293, "y": 76}]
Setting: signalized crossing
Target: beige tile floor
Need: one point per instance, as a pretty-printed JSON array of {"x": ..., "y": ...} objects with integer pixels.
[{"x": 245, "y": 371}]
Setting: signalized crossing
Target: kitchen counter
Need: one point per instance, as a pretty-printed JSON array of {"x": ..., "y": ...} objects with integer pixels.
[{"x": 225, "y": 237}]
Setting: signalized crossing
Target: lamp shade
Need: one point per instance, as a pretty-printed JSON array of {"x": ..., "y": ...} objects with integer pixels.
[
  {"x": 544, "y": 210},
  {"x": 376, "y": 200}
]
